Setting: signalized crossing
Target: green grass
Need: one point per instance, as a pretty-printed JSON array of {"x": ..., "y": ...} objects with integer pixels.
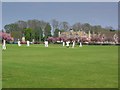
[{"x": 60, "y": 67}]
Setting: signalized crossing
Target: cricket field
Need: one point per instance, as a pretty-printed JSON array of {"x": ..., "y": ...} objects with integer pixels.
[{"x": 60, "y": 67}]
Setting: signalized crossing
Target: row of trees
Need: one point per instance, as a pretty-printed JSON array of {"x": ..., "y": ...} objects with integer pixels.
[
  {"x": 32, "y": 29},
  {"x": 41, "y": 30}
]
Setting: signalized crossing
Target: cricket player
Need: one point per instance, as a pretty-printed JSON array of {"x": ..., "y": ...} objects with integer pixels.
[
  {"x": 4, "y": 45},
  {"x": 46, "y": 43},
  {"x": 28, "y": 43},
  {"x": 67, "y": 44},
  {"x": 80, "y": 44},
  {"x": 19, "y": 43},
  {"x": 73, "y": 45},
  {"x": 63, "y": 43}
]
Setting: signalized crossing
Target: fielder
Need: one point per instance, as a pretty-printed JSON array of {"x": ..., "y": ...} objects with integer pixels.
[
  {"x": 46, "y": 43},
  {"x": 73, "y": 45},
  {"x": 19, "y": 44},
  {"x": 67, "y": 44},
  {"x": 4, "y": 45},
  {"x": 28, "y": 43},
  {"x": 63, "y": 43},
  {"x": 80, "y": 44}
]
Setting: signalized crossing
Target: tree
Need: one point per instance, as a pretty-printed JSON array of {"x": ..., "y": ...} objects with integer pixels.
[
  {"x": 14, "y": 30},
  {"x": 38, "y": 34},
  {"x": 96, "y": 29},
  {"x": 41, "y": 29},
  {"x": 56, "y": 32},
  {"x": 7, "y": 28},
  {"x": 47, "y": 31},
  {"x": 86, "y": 27},
  {"x": 5, "y": 36},
  {"x": 28, "y": 34},
  {"x": 64, "y": 26},
  {"x": 77, "y": 26},
  {"x": 55, "y": 25},
  {"x": 21, "y": 25},
  {"x": 43, "y": 25},
  {"x": 35, "y": 25}
]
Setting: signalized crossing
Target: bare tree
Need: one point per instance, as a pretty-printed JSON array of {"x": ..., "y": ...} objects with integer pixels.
[
  {"x": 55, "y": 25},
  {"x": 31, "y": 24},
  {"x": 64, "y": 26},
  {"x": 77, "y": 26},
  {"x": 21, "y": 24},
  {"x": 86, "y": 27},
  {"x": 43, "y": 25}
]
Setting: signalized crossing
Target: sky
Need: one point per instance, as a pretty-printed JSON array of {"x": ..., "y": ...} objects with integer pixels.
[
  {"x": 60, "y": 0},
  {"x": 94, "y": 13}
]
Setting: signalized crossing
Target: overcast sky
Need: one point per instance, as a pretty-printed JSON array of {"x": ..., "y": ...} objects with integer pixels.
[{"x": 99, "y": 13}]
